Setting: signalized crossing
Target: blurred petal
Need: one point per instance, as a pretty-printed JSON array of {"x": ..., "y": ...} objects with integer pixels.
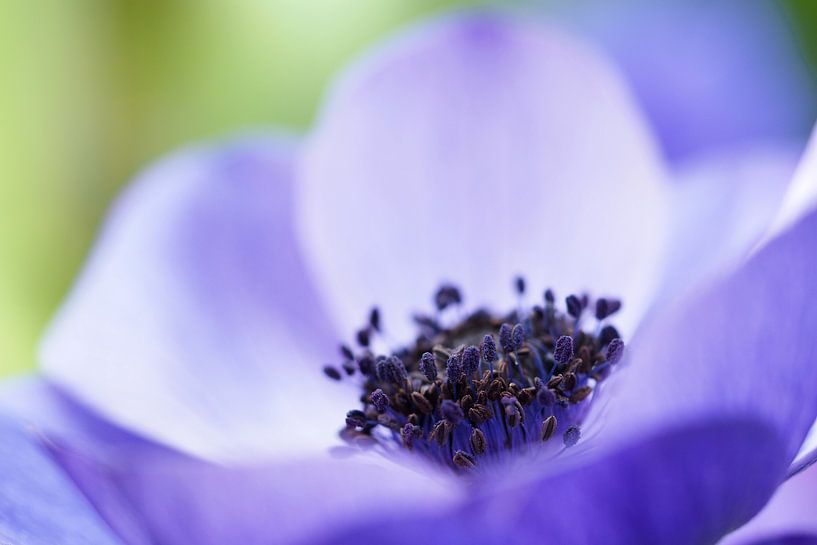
[
  {"x": 194, "y": 322},
  {"x": 39, "y": 504},
  {"x": 723, "y": 204},
  {"x": 787, "y": 539},
  {"x": 808, "y": 453},
  {"x": 744, "y": 345},
  {"x": 471, "y": 150},
  {"x": 791, "y": 511},
  {"x": 802, "y": 194},
  {"x": 708, "y": 74},
  {"x": 179, "y": 501},
  {"x": 801, "y": 197},
  {"x": 691, "y": 485}
]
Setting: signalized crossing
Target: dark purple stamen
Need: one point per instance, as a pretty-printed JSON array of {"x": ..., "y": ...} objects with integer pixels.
[
  {"x": 374, "y": 318},
  {"x": 506, "y": 338},
  {"x": 572, "y": 436},
  {"x": 519, "y": 284},
  {"x": 518, "y": 336},
  {"x": 614, "y": 351},
  {"x": 454, "y": 368},
  {"x": 470, "y": 360},
  {"x": 607, "y": 334},
  {"x": 428, "y": 366},
  {"x": 563, "y": 351},
  {"x": 380, "y": 400},
  {"x": 446, "y": 296},
  {"x": 331, "y": 372},
  {"x": 574, "y": 306},
  {"x": 465, "y": 414},
  {"x": 550, "y": 297},
  {"x": 488, "y": 349}
]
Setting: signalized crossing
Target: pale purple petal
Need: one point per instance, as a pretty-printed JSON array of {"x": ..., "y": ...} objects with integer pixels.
[
  {"x": 791, "y": 510},
  {"x": 194, "y": 322},
  {"x": 743, "y": 345},
  {"x": 179, "y": 500},
  {"x": 471, "y": 150},
  {"x": 690, "y": 485},
  {"x": 787, "y": 539},
  {"x": 801, "y": 197},
  {"x": 708, "y": 74},
  {"x": 722, "y": 205},
  {"x": 39, "y": 504}
]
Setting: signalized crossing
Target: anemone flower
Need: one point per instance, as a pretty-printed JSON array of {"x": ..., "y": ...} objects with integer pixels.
[{"x": 193, "y": 390}]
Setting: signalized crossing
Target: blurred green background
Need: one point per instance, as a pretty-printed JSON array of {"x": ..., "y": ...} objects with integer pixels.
[{"x": 94, "y": 89}]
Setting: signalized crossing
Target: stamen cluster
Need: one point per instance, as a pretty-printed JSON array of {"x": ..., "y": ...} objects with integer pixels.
[{"x": 470, "y": 392}]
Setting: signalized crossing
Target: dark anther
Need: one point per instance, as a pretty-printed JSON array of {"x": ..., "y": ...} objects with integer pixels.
[
  {"x": 446, "y": 296},
  {"x": 519, "y": 284},
  {"x": 614, "y": 351},
  {"x": 568, "y": 382},
  {"x": 506, "y": 338},
  {"x": 454, "y": 369},
  {"x": 380, "y": 400},
  {"x": 478, "y": 442},
  {"x": 512, "y": 415},
  {"x": 356, "y": 418},
  {"x": 601, "y": 309},
  {"x": 518, "y": 336},
  {"x": 440, "y": 432},
  {"x": 555, "y": 380},
  {"x": 563, "y": 351},
  {"x": 428, "y": 366},
  {"x": 607, "y": 334},
  {"x": 391, "y": 370},
  {"x": 331, "y": 372},
  {"x": 574, "y": 306},
  {"x": 409, "y": 433},
  {"x": 470, "y": 360},
  {"x": 548, "y": 427},
  {"x": 466, "y": 402},
  {"x": 479, "y": 414},
  {"x": 423, "y": 405},
  {"x": 363, "y": 337},
  {"x": 488, "y": 348},
  {"x": 463, "y": 460},
  {"x": 374, "y": 318},
  {"x": 606, "y": 307},
  {"x": 572, "y": 436},
  {"x": 550, "y": 297},
  {"x": 495, "y": 389},
  {"x": 349, "y": 367},
  {"x": 346, "y": 352},
  {"x": 580, "y": 395},
  {"x": 366, "y": 365},
  {"x": 451, "y": 411}
]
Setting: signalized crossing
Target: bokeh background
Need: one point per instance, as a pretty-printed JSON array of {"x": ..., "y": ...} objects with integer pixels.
[{"x": 94, "y": 89}]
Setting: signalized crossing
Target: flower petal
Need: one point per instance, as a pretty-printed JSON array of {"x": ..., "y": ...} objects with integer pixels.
[
  {"x": 471, "y": 150},
  {"x": 689, "y": 485},
  {"x": 742, "y": 345},
  {"x": 181, "y": 500},
  {"x": 708, "y": 74},
  {"x": 790, "y": 511},
  {"x": 194, "y": 323},
  {"x": 39, "y": 504},
  {"x": 787, "y": 539},
  {"x": 722, "y": 205}
]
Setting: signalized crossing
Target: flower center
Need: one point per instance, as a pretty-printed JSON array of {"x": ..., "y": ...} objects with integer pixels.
[{"x": 470, "y": 392}]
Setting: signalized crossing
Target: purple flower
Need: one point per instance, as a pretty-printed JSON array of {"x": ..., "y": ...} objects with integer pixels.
[{"x": 183, "y": 398}]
